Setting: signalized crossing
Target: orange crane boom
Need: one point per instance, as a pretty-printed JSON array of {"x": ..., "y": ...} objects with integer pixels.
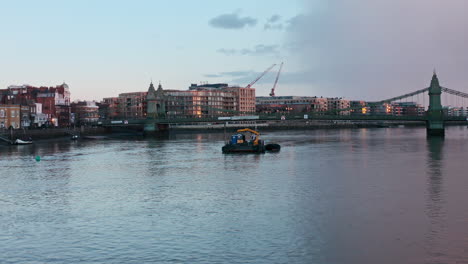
[
  {"x": 261, "y": 75},
  {"x": 272, "y": 93}
]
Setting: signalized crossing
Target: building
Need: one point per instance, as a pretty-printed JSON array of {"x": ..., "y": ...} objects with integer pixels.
[
  {"x": 381, "y": 109},
  {"x": 109, "y": 108},
  {"x": 132, "y": 105},
  {"x": 207, "y": 100},
  {"x": 244, "y": 98},
  {"x": 359, "y": 108},
  {"x": 297, "y": 104},
  {"x": 198, "y": 101},
  {"x": 85, "y": 112},
  {"x": 10, "y": 116},
  {"x": 55, "y": 102},
  {"x": 456, "y": 111},
  {"x": 240, "y": 99},
  {"x": 39, "y": 118},
  {"x": 407, "y": 109},
  {"x": 337, "y": 105}
]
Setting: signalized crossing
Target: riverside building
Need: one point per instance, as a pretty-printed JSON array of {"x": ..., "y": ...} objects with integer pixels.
[
  {"x": 207, "y": 100},
  {"x": 85, "y": 112},
  {"x": 55, "y": 103},
  {"x": 301, "y": 104},
  {"x": 10, "y": 116}
]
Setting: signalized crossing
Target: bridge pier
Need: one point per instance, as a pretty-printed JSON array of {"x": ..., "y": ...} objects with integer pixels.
[
  {"x": 435, "y": 128},
  {"x": 152, "y": 127}
]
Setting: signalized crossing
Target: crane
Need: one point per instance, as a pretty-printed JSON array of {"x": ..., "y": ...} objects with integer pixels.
[
  {"x": 272, "y": 93},
  {"x": 261, "y": 75}
]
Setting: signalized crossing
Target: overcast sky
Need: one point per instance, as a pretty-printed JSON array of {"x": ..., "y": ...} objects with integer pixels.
[{"x": 359, "y": 49}]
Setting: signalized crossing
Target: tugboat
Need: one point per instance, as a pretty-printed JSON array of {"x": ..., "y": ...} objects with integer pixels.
[{"x": 239, "y": 144}]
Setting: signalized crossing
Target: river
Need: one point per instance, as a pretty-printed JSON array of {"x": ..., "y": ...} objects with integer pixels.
[{"x": 384, "y": 195}]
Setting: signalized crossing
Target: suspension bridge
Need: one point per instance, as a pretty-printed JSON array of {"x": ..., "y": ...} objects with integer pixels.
[{"x": 435, "y": 117}]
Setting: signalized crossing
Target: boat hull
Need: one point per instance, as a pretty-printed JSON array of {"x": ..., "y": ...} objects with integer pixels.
[
  {"x": 22, "y": 142},
  {"x": 243, "y": 148}
]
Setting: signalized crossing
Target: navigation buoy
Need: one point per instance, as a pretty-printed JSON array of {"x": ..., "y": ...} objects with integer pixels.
[{"x": 38, "y": 158}]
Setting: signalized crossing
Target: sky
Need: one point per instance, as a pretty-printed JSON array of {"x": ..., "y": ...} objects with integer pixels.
[{"x": 359, "y": 49}]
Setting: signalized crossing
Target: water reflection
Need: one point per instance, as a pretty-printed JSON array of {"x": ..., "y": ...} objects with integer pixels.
[{"x": 436, "y": 198}]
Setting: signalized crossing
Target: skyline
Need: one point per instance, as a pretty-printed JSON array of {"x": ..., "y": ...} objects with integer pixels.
[{"x": 357, "y": 51}]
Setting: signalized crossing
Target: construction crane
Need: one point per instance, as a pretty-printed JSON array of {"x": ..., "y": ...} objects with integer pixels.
[
  {"x": 261, "y": 75},
  {"x": 272, "y": 93}
]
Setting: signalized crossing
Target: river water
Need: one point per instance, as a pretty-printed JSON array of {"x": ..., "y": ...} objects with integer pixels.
[{"x": 385, "y": 195}]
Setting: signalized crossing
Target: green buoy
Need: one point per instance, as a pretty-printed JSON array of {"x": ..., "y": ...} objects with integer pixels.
[{"x": 38, "y": 158}]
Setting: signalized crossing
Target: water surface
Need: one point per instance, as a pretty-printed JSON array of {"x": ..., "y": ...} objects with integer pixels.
[{"x": 329, "y": 196}]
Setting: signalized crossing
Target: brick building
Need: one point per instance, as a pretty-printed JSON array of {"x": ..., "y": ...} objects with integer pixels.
[
  {"x": 109, "y": 108},
  {"x": 407, "y": 109},
  {"x": 85, "y": 112},
  {"x": 132, "y": 105},
  {"x": 198, "y": 101},
  {"x": 55, "y": 102},
  {"x": 10, "y": 116},
  {"x": 293, "y": 104}
]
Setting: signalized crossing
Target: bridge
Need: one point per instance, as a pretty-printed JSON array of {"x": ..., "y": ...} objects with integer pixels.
[{"x": 435, "y": 117}]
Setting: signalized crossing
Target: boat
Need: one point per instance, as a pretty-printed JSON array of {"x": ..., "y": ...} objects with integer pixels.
[
  {"x": 273, "y": 147},
  {"x": 22, "y": 142},
  {"x": 239, "y": 144}
]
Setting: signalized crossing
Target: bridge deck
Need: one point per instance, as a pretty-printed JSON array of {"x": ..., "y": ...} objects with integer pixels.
[{"x": 134, "y": 122}]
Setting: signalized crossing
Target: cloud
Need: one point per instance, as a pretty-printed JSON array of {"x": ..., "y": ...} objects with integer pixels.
[
  {"x": 297, "y": 22},
  {"x": 374, "y": 49},
  {"x": 274, "y": 18},
  {"x": 213, "y": 75},
  {"x": 245, "y": 77},
  {"x": 258, "y": 50},
  {"x": 232, "y": 21},
  {"x": 273, "y": 23},
  {"x": 230, "y": 75},
  {"x": 228, "y": 52}
]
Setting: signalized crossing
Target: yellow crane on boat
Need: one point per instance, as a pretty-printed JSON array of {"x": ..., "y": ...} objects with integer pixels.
[{"x": 256, "y": 133}]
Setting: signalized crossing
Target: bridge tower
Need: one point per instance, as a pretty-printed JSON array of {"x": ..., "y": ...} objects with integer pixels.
[
  {"x": 155, "y": 109},
  {"x": 435, "y": 115},
  {"x": 151, "y": 110}
]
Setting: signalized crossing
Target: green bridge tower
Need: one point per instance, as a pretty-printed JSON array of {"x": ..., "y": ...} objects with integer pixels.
[{"x": 435, "y": 115}]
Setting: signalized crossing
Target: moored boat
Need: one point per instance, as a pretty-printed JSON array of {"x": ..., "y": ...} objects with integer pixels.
[
  {"x": 239, "y": 144},
  {"x": 22, "y": 142}
]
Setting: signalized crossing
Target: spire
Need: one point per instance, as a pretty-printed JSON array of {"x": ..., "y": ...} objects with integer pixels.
[
  {"x": 151, "y": 87},
  {"x": 159, "y": 86},
  {"x": 435, "y": 87},
  {"x": 434, "y": 77}
]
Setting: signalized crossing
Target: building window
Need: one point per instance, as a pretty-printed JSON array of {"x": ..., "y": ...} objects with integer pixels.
[{"x": 2, "y": 113}]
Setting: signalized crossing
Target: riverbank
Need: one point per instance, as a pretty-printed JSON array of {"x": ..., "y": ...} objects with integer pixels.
[
  {"x": 94, "y": 132},
  {"x": 50, "y": 133}
]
